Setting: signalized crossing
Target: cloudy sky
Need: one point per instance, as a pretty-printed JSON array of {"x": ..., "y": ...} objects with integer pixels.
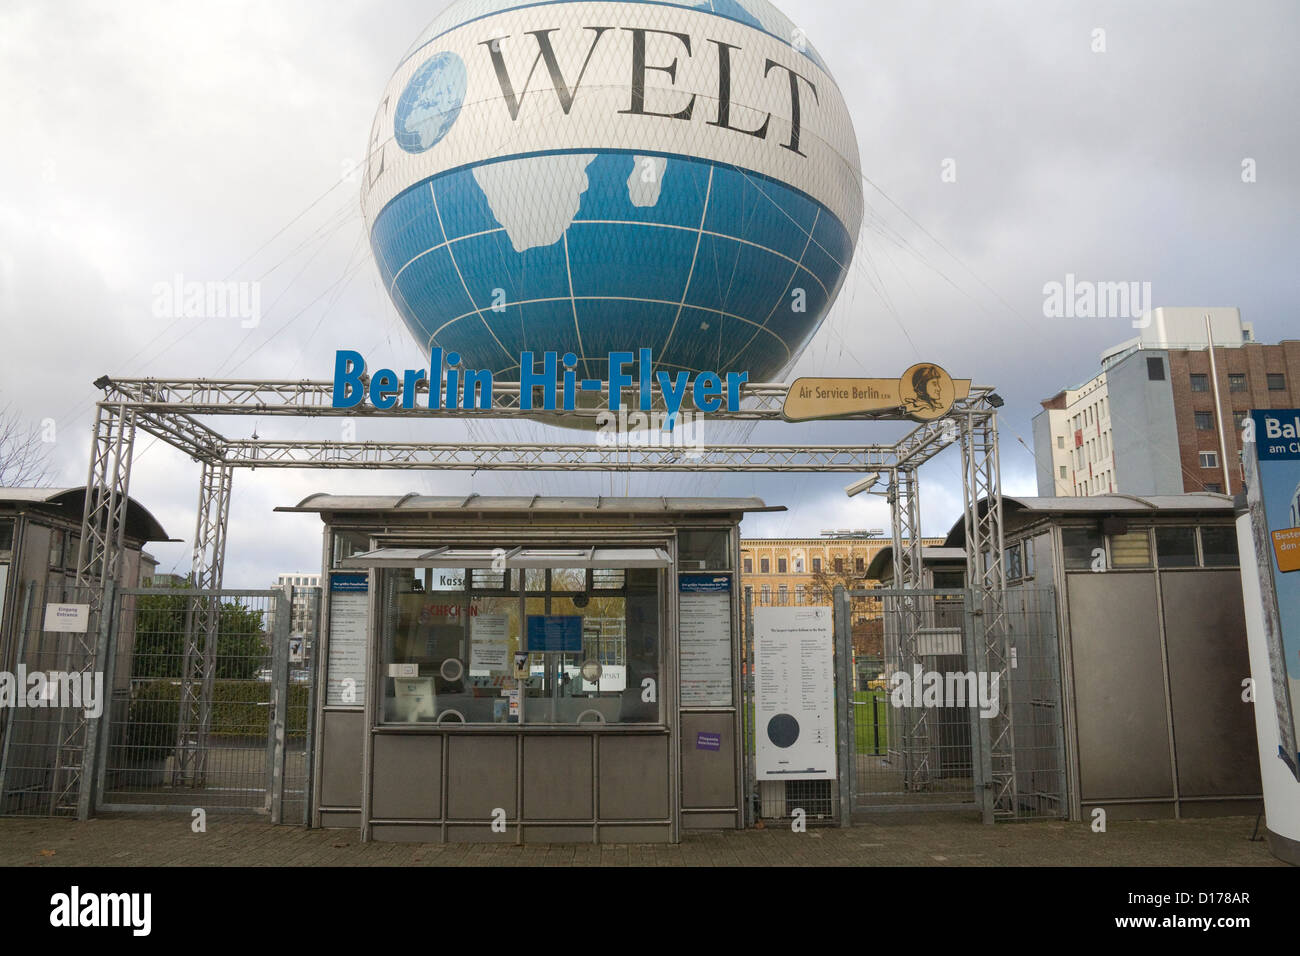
[{"x": 216, "y": 140}]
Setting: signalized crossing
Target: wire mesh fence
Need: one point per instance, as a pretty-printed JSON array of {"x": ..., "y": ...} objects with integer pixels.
[
  {"x": 197, "y": 678},
  {"x": 931, "y": 721},
  {"x": 53, "y": 697}
]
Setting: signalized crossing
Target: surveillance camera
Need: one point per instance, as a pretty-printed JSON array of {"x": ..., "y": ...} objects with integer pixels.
[{"x": 861, "y": 485}]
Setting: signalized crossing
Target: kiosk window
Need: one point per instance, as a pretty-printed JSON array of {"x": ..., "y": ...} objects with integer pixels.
[{"x": 578, "y": 644}]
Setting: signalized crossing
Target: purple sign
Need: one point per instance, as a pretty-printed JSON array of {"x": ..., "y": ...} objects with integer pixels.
[{"x": 705, "y": 741}]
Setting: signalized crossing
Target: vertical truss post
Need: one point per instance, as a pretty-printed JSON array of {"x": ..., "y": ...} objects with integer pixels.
[
  {"x": 103, "y": 518},
  {"x": 202, "y": 620},
  {"x": 981, "y": 480},
  {"x": 99, "y": 569},
  {"x": 914, "y": 721}
]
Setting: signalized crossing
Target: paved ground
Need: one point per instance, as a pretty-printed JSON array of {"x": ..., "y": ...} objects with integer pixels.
[{"x": 923, "y": 839}]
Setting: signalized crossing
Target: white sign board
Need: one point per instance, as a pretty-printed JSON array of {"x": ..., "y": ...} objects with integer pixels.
[
  {"x": 490, "y": 648},
  {"x": 704, "y": 605},
  {"x": 794, "y": 691},
  {"x": 70, "y": 618},
  {"x": 346, "y": 681}
]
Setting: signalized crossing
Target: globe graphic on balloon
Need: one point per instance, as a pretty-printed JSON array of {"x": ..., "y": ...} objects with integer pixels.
[
  {"x": 592, "y": 177},
  {"x": 430, "y": 104}
]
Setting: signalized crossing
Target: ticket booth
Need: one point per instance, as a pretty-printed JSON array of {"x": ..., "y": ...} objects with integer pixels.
[{"x": 500, "y": 669}]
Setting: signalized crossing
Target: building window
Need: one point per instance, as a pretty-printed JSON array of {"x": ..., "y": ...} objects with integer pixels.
[
  {"x": 459, "y": 638},
  {"x": 1060, "y": 441},
  {"x": 764, "y": 566},
  {"x": 1176, "y": 547},
  {"x": 1131, "y": 550},
  {"x": 1204, "y": 421},
  {"x": 860, "y": 565},
  {"x": 1236, "y": 381},
  {"x": 1276, "y": 382},
  {"x": 817, "y": 565},
  {"x": 1239, "y": 420},
  {"x": 1155, "y": 369},
  {"x": 839, "y": 565},
  {"x": 1080, "y": 547},
  {"x": 1012, "y": 561},
  {"x": 1209, "y": 459},
  {"x": 1219, "y": 547},
  {"x": 1200, "y": 383},
  {"x": 783, "y": 594},
  {"x": 1214, "y": 487},
  {"x": 767, "y": 594},
  {"x": 749, "y": 565},
  {"x": 798, "y": 594},
  {"x": 1062, "y": 471},
  {"x": 780, "y": 565}
]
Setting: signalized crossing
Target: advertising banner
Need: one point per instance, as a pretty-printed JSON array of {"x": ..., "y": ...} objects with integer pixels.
[{"x": 1277, "y": 447}]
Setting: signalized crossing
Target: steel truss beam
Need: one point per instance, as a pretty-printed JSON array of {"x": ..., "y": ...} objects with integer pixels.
[{"x": 170, "y": 409}]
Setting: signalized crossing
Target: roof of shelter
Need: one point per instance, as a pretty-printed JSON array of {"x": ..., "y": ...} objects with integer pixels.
[
  {"x": 70, "y": 502},
  {"x": 527, "y": 504}
]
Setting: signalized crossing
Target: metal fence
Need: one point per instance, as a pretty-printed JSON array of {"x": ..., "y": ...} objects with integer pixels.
[
  {"x": 211, "y": 703},
  {"x": 926, "y": 722},
  {"x": 54, "y": 704},
  {"x": 170, "y": 699}
]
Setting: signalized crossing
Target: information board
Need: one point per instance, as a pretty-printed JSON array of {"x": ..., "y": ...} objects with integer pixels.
[
  {"x": 554, "y": 632},
  {"x": 346, "y": 677},
  {"x": 794, "y": 691},
  {"x": 704, "y": 606}
]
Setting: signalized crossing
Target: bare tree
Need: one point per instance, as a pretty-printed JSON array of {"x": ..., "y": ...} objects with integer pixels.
[{"x": 24, "y": 454}]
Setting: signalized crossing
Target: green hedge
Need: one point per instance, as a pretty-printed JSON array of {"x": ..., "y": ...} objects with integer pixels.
[{"x": 239, "y": 709}]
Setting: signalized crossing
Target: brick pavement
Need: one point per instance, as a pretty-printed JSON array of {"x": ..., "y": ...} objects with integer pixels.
[{"x": 166, "y": 840}]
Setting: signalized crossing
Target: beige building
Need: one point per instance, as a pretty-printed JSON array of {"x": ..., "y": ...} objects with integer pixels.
[{"x": 798, "y": 570}]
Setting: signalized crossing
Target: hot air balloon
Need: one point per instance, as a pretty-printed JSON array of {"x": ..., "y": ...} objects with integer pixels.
[{"x": 591, "y": 177}]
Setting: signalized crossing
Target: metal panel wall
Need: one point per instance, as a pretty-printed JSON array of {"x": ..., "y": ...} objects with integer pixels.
[
  {"x": 1205, "y": 628},
  {"x": 1123, "y": 730}
]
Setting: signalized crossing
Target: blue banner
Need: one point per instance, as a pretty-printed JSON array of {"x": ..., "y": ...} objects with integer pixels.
[{"x": 552, "y": 633}]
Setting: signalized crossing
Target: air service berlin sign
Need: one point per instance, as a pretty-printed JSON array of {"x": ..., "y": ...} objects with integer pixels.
[{"x": 923, "y": 393}]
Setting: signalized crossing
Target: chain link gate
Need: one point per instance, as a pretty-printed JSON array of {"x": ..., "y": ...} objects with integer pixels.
[{"x": 211, "y": 703}]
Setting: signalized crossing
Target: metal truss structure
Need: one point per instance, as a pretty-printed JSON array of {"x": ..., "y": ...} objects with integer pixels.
[{"x": 171, "y": 410}]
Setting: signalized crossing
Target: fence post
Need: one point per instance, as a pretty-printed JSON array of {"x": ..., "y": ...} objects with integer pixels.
[
  {"x": 747, "y": 711},
  {"x": 843, "y": 703},
  {"x": 90, "y": 749},
  {"x": 977, "y": 654},
  {"x": 110, "y": 690},
  {"x": 279, "y": 702},
  {"x": 20, "y": 652},
  {"x": 310, "y": 733}
]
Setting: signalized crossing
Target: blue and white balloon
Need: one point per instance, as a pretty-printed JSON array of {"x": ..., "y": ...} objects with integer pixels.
[{"x": 602, "y": 176}]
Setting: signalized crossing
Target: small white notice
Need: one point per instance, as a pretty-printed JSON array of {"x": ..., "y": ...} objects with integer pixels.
[
  {"x": 69, "y": 618},
  {"x": 490, "y": 650}
]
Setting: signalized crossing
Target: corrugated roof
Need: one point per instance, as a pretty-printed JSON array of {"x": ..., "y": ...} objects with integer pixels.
[
  {"x": 322, "y": 502},
  {"x": 140, "y": 524},
  {"x": 885, "y": 558},
  {"x": 1100, "y": 505}
]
